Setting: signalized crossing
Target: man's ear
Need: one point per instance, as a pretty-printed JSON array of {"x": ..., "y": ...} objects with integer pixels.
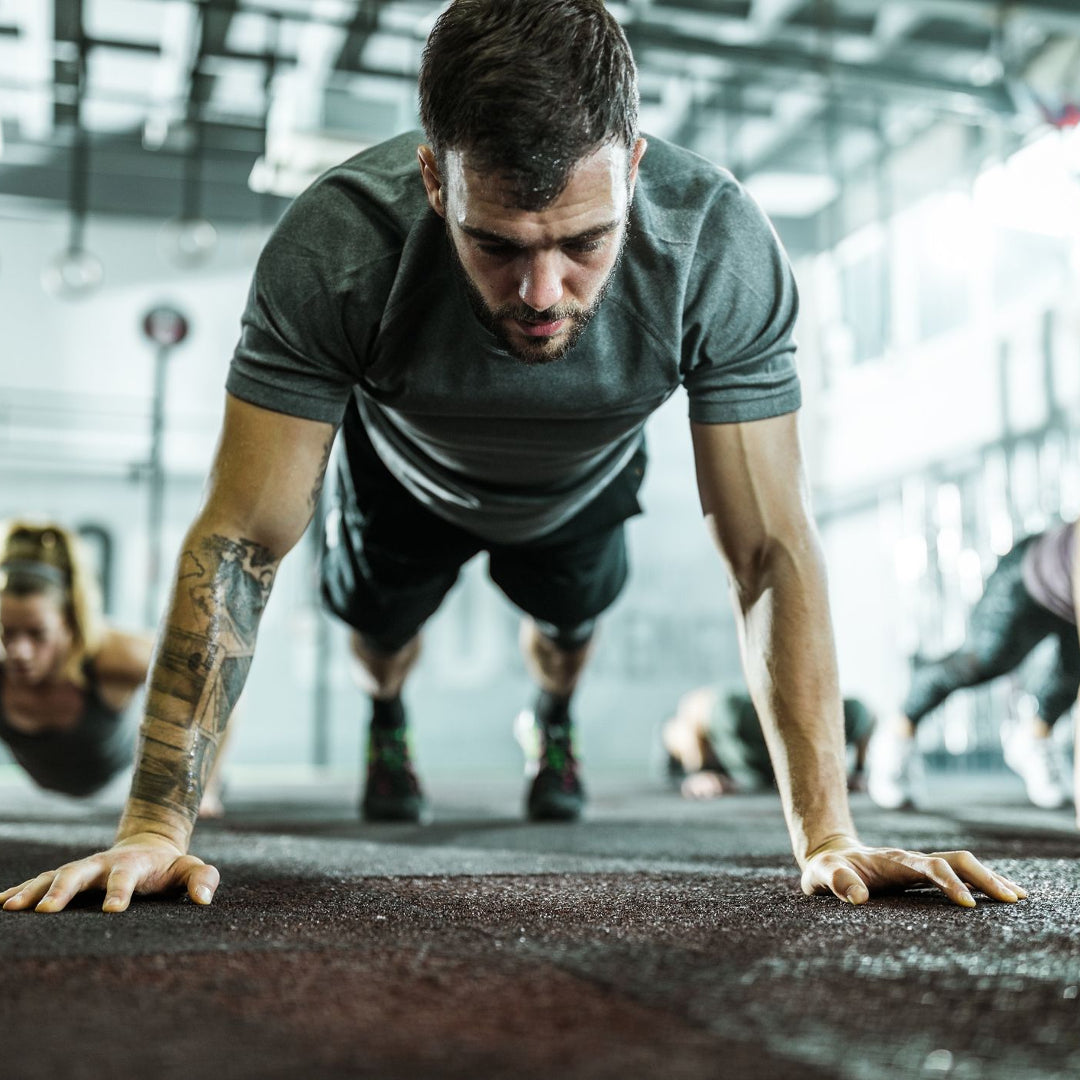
[{"x": 429, "y": 173}]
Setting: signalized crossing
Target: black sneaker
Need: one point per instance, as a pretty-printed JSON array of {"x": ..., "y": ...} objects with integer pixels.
[
  {"x": 556, "y": 792},
  {"x": 392, "y": 791}
]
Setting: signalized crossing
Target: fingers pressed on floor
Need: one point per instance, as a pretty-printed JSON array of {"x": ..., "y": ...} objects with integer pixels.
[
  {"x": 29, "y": 893},
  {"x": 979, "y": 876},
  {"x": 7, "y": 894},
  {"x": 848, "y": 886},
  {"x": 118, "y": 891},
  {"x": 202, "y": 883},
  {"x": 984, "y": 879},
  {"x": 937, "y": 868},
  {"x": 1018, "y": 890},
  {"x": 65, "y": 884},
  {"x": 998, "y": 889}
]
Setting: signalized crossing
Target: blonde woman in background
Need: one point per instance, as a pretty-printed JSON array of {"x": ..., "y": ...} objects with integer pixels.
[{"x": 66, "y": 678}]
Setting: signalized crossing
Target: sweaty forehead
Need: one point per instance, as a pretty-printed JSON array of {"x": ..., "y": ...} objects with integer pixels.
[{"x": 596, "y": 193}]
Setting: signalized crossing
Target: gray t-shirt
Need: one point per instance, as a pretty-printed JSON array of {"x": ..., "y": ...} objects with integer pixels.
[
  {"x": 1047, "y": 570},
  {"x": 355, "y": 292}
]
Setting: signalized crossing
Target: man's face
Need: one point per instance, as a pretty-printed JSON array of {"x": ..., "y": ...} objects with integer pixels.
[
  {"x": 35, "y": 635},
  {"x": 536, "y": 277}
]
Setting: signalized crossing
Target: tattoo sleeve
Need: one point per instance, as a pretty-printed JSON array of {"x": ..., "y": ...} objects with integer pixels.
[{"x": 200, "y": 665}]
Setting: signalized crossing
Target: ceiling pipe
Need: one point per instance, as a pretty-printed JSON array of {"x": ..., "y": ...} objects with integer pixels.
[{"x": 76, "y": 272}]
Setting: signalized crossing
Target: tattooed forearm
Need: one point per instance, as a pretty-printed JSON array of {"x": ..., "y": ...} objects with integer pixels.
[
  {"x": 316, "y": 490},
  {"x": 200, "y": 667}
]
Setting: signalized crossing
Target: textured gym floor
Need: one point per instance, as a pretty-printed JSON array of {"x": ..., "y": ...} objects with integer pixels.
[{"x": 657, "y": 938}]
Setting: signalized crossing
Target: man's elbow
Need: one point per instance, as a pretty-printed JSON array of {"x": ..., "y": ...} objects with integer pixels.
[
  {"x": 774, "y": 562},
  {"x": 273, "y": 538}
]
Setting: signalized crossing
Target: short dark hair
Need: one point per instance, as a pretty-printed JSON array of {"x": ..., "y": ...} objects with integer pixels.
[{"x": 527, "y": 88}]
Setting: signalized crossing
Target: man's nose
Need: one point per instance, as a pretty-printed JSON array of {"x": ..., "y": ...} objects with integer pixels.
[{"x": 542, "y": 284}]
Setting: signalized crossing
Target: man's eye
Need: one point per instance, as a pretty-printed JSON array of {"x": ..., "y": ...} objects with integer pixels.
[
  {"x": 501, "y": 250},
  {"x": 585, "y": 246}
]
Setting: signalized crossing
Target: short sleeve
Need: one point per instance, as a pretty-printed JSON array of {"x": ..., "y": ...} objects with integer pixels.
[
  {"x": 302, "y": 329},
  {"x": 738, "y": 357}
]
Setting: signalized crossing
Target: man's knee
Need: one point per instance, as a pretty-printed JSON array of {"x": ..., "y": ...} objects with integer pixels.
[
  {"x": 567, "y": 639},
  {"x": 383, "y": 649}
]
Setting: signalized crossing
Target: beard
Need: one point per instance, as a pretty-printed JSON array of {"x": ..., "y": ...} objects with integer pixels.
[{"x": 542, "y": 350}]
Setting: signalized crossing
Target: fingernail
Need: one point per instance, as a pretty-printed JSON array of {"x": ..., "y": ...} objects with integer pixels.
[
  {"x": 967, "y": 898},
  {"x": 1009, "y": 895},
  {"x": 856, "y": 894},
  {"x": 203, "y": 895}
]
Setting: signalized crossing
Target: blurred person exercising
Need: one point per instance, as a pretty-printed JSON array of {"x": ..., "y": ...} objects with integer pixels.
[
  {"x": 494, "y": 313},
  {"x": 66, "y": 678},
  {"x": 715, "y": 745},
  {"x": 1030, "y": 596}
]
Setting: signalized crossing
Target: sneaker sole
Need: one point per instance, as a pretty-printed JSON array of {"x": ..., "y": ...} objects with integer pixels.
[
  {"x": 409, "y": 810},
  {"x": 556, "y": 808}
]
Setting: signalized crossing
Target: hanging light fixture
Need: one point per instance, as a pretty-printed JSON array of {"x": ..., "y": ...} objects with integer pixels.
[
  {"x": 189, "y": 240},
  {"x": 75, "y": 272},
  {"x": 72, "y": 274}
]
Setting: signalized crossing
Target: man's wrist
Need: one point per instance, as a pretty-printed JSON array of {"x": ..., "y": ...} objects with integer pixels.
[
  {"x": 828, "y": 843},
  {"x": 142, "y": 819}
]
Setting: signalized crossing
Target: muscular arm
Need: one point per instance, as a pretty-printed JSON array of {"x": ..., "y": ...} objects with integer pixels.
[
  {"x": 263, "y": 488},
  {"x": 264, "y": 485},
  {"x": 753, "y": 495}
]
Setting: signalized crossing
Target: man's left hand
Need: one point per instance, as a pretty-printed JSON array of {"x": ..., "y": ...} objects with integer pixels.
[{"x": 852, "y": 871}]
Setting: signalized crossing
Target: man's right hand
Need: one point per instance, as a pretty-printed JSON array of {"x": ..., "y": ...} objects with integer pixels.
[{"x": 142, "y": 863}]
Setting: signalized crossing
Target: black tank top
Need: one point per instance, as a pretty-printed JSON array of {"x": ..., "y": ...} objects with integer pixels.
[{"x": 81, "y": 759}]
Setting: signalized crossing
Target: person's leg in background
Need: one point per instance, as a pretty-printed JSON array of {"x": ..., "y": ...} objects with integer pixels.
[
  {"x": 1005, "y": 625},
  {"x": 859, "y": 724},
  {"x": 1030, "y": 751}
]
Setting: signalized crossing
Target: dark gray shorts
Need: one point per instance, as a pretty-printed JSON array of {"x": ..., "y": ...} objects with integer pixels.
[{"x": 388, "y": 561}]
